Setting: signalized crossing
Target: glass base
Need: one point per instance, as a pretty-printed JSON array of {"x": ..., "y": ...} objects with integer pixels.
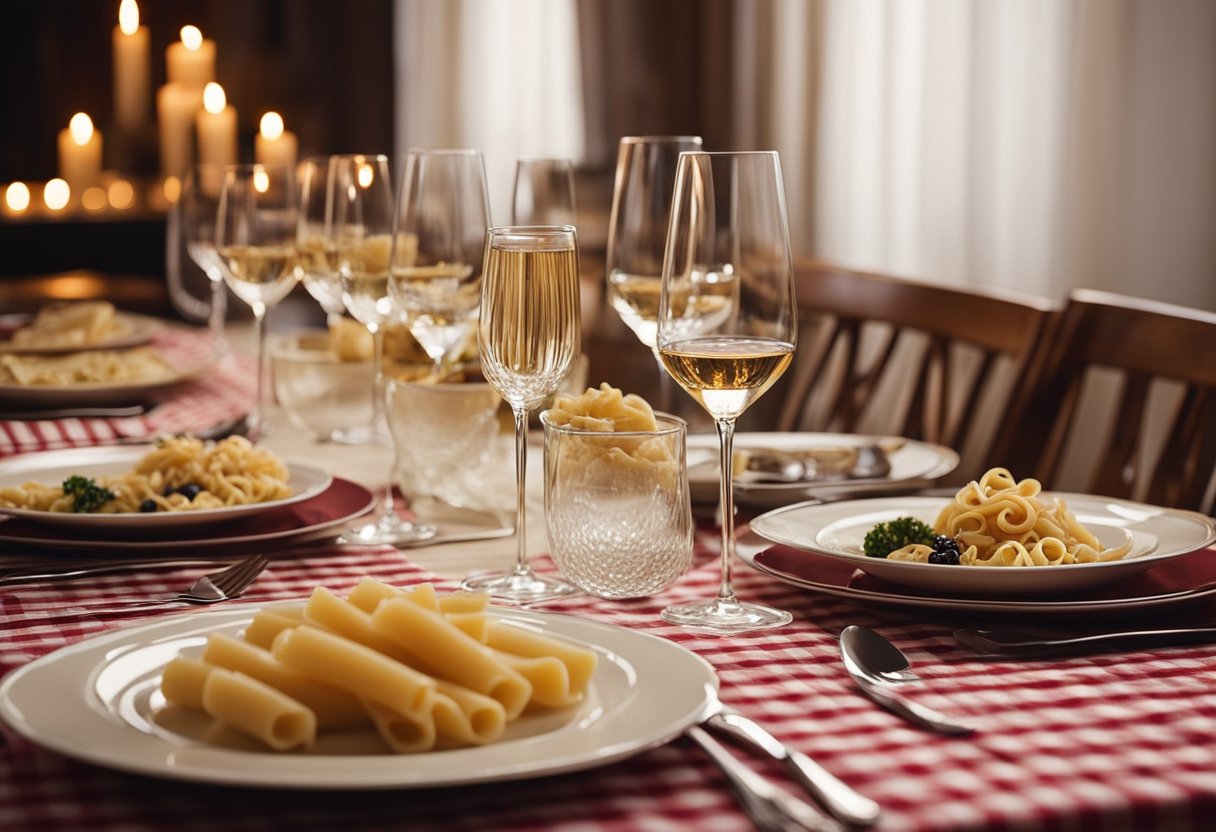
[
  {"x": 388, "y": 530},
  {"x": 724, "y": 617},
  {"x": 518, "y": 587},
  {"x": 375, "y": 434}
]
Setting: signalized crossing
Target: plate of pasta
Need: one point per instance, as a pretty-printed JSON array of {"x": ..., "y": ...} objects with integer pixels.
[
  {"x": 319, "y": 695},
  {"x": 1003, "y": 538},
  {"x": 72, "y": 327},
  {"x": 177, "y": 483}
]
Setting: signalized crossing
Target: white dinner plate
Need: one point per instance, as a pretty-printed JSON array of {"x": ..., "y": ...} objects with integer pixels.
[
  {"x": 99, "y": 701},
  {"x": 914, "y": 466},
  {"x": 837, "y": 530},
  {"x": 136, "y": 330},
  {"x": 53, "y": 467}
]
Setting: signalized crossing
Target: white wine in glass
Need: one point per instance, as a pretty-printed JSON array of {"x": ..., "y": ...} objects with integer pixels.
[
  {"x": 728, "y": 220},
  {"x": 529, "y": 336},
  {"x": 314, "y": 239},
  {"x": 256, "y": 240}
]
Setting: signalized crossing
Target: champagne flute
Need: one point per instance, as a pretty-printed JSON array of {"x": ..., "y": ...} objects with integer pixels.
[
  {"x": 255, "y": 235},
  {"x": 439, "y": 247},
  {"x": 637, "y": 234},
  {"x": 197, "y": 209},
  {"x": 314, "y": 239},
  {"x": 728, "y": 227},
  {"x": 544, "y": 192},
  {"x": 529, "y": 337},
  {"x": 362, "y": 211}
]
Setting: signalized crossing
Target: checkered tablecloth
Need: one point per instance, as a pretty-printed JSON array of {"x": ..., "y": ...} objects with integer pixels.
[
  {"x": 1106, "y": 742},
  {"x": 218, "y": 393}
]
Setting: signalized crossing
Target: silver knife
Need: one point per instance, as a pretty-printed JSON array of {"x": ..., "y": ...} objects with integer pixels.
[{"x": 1019, "y": 644}]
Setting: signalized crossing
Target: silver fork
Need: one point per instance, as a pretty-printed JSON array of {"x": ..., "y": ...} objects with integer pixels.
[{"x": 224, "y": 585}]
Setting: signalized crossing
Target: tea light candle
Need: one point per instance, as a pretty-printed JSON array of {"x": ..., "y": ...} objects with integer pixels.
[
  {"x": 132, "y": 66},
  {"x": 176, "y": 107},
  {"x": 274, "y": 145},
  {"x": 192, "y": 59},
  {"x": 56, "y": 194},
  {"x": 216, "y": 125},
  {"x": 17, "y": 199},
  {"x": 80, "y": 153}
]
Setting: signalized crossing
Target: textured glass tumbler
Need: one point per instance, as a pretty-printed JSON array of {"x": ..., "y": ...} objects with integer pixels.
[{"x": 617, "y": 510}]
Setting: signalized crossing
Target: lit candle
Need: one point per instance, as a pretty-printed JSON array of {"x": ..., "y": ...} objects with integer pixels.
[
  {"x": 176, "y": 107},
  {"x": 132, "y": 68},
  {"x": 216, "y": 124},
  {"x": 80, "y": 153},
  {"x": 274, "y": 145},
  {"x": 192, "y": 59},
  {"x": 17, "y": 198},
  {"x": 56, "y": 194}
]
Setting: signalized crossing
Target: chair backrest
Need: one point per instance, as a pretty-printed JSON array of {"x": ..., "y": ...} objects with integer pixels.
[
  {"x": 920, "y": 360},
  {"x": 1125, "y": 394}
]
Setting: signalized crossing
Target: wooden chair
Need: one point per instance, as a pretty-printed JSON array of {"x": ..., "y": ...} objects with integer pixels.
[
  {"x": 1151, "y": 434},
  {"x": 879, "y": 354}
]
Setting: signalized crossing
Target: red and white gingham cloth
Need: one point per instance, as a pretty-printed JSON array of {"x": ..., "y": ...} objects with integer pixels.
[
  {"x": 1122, "y": 741},
  {"x": 222, "y": 392}
]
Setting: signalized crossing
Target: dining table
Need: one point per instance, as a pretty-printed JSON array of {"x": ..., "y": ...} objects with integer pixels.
[{"x": 1119, "y": 740}]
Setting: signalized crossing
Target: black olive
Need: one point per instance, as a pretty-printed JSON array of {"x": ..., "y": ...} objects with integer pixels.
[
  {"x": 148, "y": 505},
  {"x": 190, "y": 490}
]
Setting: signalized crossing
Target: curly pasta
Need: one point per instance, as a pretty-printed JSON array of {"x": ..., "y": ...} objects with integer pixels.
[
  {"x": 1000, "y": 521},
  {"x": 228, "y": 473}
]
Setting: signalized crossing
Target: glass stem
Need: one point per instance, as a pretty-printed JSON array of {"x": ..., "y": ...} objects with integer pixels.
[
  {"x": 378, "y": 391},
  {"x": 665, "y": 384},
  {"x": 219, "y": 313},
  {"x": 388, "y": 508},
  {"x": 521, "y": 492},
  {"x": 726, "y": 501},
  {"x": 259, "y": 331}
]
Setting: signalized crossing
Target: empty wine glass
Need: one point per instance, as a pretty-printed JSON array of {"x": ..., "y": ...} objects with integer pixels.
[
  {"x": 727, "y": 323},
  {"x": 363, "y": 224},
  {"x": 318, "y": 262},
  {"x": 544, "y": 192},
  {"x": 255, "y": 236},
  {"x": 529, "y": 337},
  {"x": 195, "y": 213},
  {"x": 637, "y": 234},
  {"x": 439, "y": 248}
]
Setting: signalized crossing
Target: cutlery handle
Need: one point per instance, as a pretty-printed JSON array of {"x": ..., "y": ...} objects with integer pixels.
[
  {"x": 914, "y": 712},
  {"x": 37, "y": 574},
  {"x": 1013, "y": 644}
]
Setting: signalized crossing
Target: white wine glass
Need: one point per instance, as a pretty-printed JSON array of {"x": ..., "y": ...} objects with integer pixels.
[
  {"x": 726, "y": 347},
  {"x": 637, "y": 234},
  {"x": 362, "y": 210},
  {"x": 314, "y": 238},
  {"x": 529, "y": 336},
  {"x": 544, "y": 192},
  {"x": 197, "y": 209},
  {"x": 442, "y": 215},
  {"x": 255, "y": 235}
]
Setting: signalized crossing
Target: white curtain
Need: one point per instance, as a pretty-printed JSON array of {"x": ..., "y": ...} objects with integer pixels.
[
  {"x": 502, "y": 77},
  {"x": 1033, "y": 145}
]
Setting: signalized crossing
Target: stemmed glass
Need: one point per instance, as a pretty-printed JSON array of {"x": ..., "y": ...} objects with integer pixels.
[
  {"x": 439, "y": 241},
  {"x": 544, "y": 192},
  {"x": 529, "y": 337},
  {"x": 637, "y": 233},
  {"x": 196, "y": 211},
  {"x": 728, "y": 227},
  {"x": 318, "y": 266},
  {"x": 255, "y": 235},
  {"x": 363, "y": 222}
]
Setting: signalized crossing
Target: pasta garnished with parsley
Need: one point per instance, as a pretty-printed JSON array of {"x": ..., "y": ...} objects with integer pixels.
[
  {"x": 1000, "y": 521},
  {"x": 179, "y": 474}
]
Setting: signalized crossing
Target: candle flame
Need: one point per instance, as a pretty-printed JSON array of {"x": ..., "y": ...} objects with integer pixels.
[
  {"x": 172, "y": 189},
  {"x": 93, "y": 199},
  {"x": 271, "y": 126},
  {"x": 128, "y": 17},
  {"x": 81, "y": 128},
  {"x": 261, "y": 180},
  {"x": 192, "y": 37},
  {"x": 17, "y": 196},
  {"x": 56, "y": 194},
  {"x": 214, "y": 100},
  {"x": 364, "y": 175},
  {"x": 121, "y": 194}
]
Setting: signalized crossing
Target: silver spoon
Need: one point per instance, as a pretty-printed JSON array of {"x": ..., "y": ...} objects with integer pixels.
[{"x": 878, "y": 667}]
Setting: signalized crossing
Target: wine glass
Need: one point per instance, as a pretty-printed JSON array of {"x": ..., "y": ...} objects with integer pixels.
[
  {"x": 362, "y": 211},
  {"x": 637, "y": 234},
  {"x": 438, "y": 248},
  {"x": 728, "y": 228},
  {"x": 255, "y": 235},
  {"x": 314, "y": 239},
  {"x": 529, "y": 337},
  {"x": 196, "y": 211},
  {"x": 544, "y": 192}
]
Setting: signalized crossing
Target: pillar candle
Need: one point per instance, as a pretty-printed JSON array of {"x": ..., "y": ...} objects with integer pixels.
[
  {"x": 274, "y": 145},
  {"x": 192, "y": 59},
  {"x": 80, "y": 153},
  {"x": 132, "y": 68},
  {"x": 176, "y": 107},
  {"x": 216, "y": 124}
]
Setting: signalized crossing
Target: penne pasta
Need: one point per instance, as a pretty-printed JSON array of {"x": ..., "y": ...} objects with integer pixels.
[
  {"x": 258, "y": 710},
  {"x": 404, "y": 733},
  {"x": 579, "y": 661},
  {"x": 182, "y": 681},
  {"x": 267, "y": 624}
]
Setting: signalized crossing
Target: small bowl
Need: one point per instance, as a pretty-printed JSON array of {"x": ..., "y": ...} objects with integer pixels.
[{"x": 317, "y": 390}]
